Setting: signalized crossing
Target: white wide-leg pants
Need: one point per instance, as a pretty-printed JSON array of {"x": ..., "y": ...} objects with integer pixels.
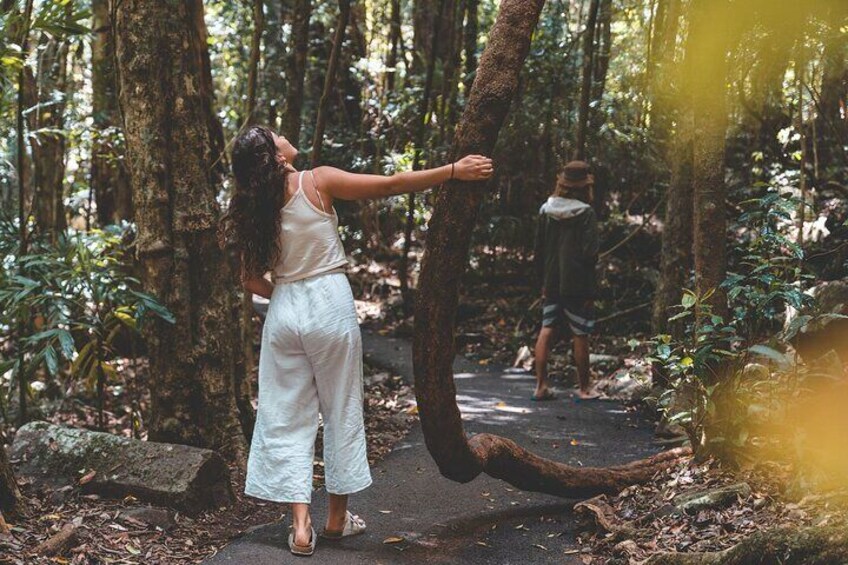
[{"x": 310, "y": 361}]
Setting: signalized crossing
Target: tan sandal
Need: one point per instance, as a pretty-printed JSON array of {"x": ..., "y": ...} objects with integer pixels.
[
  {"x": 354, "y": 525},
  {"x": 303, "y": 550}
]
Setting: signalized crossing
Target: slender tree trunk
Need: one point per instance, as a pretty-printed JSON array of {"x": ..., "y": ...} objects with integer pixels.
[
  {"x": 709, "y": 43},
  {"x": 242, "y": 379},
  {"x": 296, "y": 70},
  {"x": 604, "y": 42},
  {"x": 423, "y": 109},
  {"x": 255, "y": 56},
  {"x": 329, "y": 81},
  {"x": 394, "y": 41},
  {"x": 109, "y": 176},
  {"x": 22, "y": 375},
  {"x": 48, "y": 147},
  {"x": 470, "y": 41},
  {"x": 174, "y": 150},
  {"x": 458, "y": 457},
  {"x": 586, "y": 86}
]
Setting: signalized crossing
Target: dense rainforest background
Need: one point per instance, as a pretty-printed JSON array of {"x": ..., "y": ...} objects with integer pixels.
[{"x": 716, "y": 131}]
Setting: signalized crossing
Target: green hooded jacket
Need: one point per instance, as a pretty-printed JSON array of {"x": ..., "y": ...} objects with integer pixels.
[{"x": 567, "y": 249}]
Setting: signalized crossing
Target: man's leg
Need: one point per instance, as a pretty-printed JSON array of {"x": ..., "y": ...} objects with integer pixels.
[
  {"x": 581, "y": 360},
  {"x": 547, "y": 337}
]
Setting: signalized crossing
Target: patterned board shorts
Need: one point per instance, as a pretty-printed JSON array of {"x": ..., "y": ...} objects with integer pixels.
[{"x": 578, "y": 315}]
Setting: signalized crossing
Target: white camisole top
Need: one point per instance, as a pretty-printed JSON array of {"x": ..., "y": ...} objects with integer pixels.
[{"x": 309, "y": 239}]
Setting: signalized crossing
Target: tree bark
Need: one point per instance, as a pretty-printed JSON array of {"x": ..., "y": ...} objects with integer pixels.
[
  {"x": 12, "y": 502},
  {"x": 174, "y": 154},
  {"x": 709, "y": 43},
  {"x": 329, "y": 81},
  {"x": 832, "y": 119},
  {"x": 109, "y": 176},
  {"x": 454, "y": 215},
  {"x": 48, "y": 147},
  {"x": 586, "y": 85},
  {"x": 296, "y": 71},
  {"x": 670, "y": 95},
  {"x": 664, "y": 84}
]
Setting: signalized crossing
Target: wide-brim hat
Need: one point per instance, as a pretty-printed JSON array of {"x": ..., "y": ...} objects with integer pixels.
[{"x": 575, "y": 174}]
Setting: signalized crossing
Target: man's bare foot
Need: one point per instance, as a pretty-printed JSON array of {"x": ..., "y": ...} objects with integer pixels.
[
  {"x": 543, "y": 394},
  {"x": 588, "y": 394}
]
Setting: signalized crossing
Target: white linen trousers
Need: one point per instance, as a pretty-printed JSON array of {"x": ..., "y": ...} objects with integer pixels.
[{"x": 310, "y": 361}]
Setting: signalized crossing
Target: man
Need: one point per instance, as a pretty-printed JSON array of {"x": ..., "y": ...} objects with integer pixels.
[{"x": 566, "y": 255}]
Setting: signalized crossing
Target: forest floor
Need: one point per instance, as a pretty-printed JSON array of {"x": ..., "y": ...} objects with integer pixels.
[
  {"x": 110, "y": 531},
  {"x": 416, "y": 511}
]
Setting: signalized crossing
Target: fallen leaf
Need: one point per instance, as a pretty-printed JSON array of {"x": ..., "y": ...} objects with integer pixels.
[
  {"x": 540, "y": 546},
  {"x": 393, "y": 539},
  {"x": 384, "y": 511},
  {"x": 87, "y": 477}
]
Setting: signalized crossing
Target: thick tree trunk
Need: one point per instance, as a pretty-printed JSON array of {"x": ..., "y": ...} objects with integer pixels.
[
  {"x": 586, "y": 86},
  {"x": 455, "y": 213},
  {"x": 709, "y": 42},
  {"x": 48, "y": 147},
  {"x": 670, "y": 105},
  {"x": 832, "y": 120},
  {"x": 329, "y": 81},
  {"x": 173, "y": 147},
  {"x": 12, "y": 503},
  {"x": 676, "y": 256},
  {"x": 664, "y": 91},
  {"x": 110, "y": 179},
  {"x": 296, "y": 71}
]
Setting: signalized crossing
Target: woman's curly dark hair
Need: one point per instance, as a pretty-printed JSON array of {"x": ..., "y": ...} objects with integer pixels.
[{"x": 252, "y": 222}]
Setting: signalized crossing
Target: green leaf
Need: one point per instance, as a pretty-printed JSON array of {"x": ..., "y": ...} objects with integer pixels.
[
  {"x": 52, "y": 360},
  {"x": 772, "y": 354},
  {"x": 688, "y": 300}
]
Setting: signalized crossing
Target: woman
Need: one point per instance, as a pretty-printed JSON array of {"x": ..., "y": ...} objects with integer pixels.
[{"x": 283, "y": 221}]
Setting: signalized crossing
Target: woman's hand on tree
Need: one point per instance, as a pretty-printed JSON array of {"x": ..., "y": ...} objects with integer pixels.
[{"x": 473, "y": 167}]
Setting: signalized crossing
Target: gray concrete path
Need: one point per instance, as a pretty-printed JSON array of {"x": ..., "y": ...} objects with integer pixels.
[{"x": 486, "y": 520}]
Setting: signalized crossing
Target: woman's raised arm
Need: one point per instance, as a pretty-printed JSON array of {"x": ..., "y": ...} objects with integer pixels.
[{"x": 351, "y": 186}]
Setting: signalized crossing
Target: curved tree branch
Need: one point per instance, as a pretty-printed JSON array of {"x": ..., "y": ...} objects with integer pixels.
[{"x": 445, "y": 259}]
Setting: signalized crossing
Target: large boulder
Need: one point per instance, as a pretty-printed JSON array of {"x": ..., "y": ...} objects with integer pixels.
[{"x": 186, "y": 478}]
